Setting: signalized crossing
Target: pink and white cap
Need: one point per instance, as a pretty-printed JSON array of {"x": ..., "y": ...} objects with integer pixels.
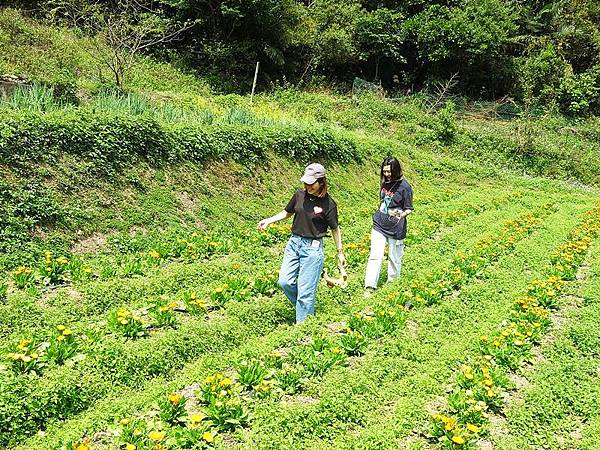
[{"x": 312, "y": 173}]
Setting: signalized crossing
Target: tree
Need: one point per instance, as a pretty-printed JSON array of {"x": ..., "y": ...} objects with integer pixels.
[{"x": 126, "y": 30}]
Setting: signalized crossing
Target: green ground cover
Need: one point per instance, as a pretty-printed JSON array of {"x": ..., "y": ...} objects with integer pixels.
[
  {"x": 556, "y": 406},
  {"x": 442, "y": 333},
  {"x": 333, "y": 303}
]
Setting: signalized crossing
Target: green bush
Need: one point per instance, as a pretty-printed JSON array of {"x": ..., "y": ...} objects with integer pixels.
[
  {"x": 25, "y": 206},
  {"x": 113, "y": 141}
]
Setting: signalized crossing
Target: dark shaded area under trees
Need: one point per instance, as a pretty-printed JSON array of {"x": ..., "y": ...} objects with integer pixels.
[{"x": 537, "y": 52}]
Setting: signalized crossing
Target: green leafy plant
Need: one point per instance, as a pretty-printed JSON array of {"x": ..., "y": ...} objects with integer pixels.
[
  {"x": 27, "y": 357},
  {"x": 172, "y": 408},
  {"x": 195, "y": 305},
  {"x": 132, "y": 266},
  {"x": 23, "y": 277},
  {"x": 227, "y": 413},
  {"x": 197, "y": 433},
  {"x": 133, "y": 431},
  {"x": 164, "y": 314},
  {"x": 53, "y": 269},
  {"x": 290, "y": 378},
  {"x": 63, "y": 345},
  {"x": 353, "y": 343},
  {"x": 251, "y": 373},
  {"x": 127, "y": 323}
]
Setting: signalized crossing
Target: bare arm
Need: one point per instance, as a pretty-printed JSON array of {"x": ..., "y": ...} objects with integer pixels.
[
  {"x": 337, "y": 238},
  {"x": 263, "y": 224}
]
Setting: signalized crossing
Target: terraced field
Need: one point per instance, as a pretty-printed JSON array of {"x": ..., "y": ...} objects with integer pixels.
[{"x": 185, "y": 340}]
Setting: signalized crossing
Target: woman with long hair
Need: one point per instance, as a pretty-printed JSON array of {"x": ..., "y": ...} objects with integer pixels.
[
  {"x": 314, "y": 212},
  {"x": 389, "y": 223}
]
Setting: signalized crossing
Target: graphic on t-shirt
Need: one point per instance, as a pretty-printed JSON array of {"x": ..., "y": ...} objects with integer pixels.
[{"x": 386, "y": 199}]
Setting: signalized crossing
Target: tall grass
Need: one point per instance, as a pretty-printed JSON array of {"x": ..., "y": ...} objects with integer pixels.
[
  {"x": 41, "y": 99},
  {"x": 241, "y": 116},
  {"x": 137, "y": 105},
  {"x": 36, "y": 98}
]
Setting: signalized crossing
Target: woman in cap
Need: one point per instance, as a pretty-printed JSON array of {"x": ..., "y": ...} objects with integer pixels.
[
  {"x": 314, "y": 212},
  {"x": 389, "y": 223}
]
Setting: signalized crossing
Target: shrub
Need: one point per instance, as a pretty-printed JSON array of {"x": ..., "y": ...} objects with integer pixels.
[{"x": 114, "y": 141}]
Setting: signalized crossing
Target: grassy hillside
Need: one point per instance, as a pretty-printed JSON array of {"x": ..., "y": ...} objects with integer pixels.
[{"x": 139, "y": 306}]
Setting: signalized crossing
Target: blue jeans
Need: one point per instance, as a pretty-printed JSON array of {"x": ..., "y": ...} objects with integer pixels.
[{"x": 300, "y": 273}]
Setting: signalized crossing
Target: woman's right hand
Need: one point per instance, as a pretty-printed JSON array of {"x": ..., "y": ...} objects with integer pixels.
[{"x": 263, "y": 224}]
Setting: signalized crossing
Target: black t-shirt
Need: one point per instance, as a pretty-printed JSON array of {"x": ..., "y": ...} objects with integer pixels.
[
  {"x": 312, "y": 215},
  {"x": 393, "y": 195}
]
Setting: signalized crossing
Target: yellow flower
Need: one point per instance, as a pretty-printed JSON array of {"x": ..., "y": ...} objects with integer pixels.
[
  {"x": 225, "y": 382},
  {"x": 154, "y": 254},
  {"x": 124, "y": 421},
  {"x": 130, "y": 447},
  {"x": 450, "y": 424},
  {"x": 67, "y": 332},
  {"x": 208, "y": 436},
  {"x": 175, "y": 398},
  {"x": 457, "y": 439},
  {"x": 473, "y": 428},
  {"x": 61, "y": 327},
  {"x": 156, "y": 436},
  {"x": 24, "y": 343},
  {"x": 197, "y": 418}
]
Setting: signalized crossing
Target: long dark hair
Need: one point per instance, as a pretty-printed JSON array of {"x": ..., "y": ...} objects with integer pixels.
[{"x": 395, "y": 167}]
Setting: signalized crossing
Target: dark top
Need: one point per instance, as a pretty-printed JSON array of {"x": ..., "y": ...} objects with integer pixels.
[
  {"x": 312, "y": 215},
  {"x": 393, "y": 195}
]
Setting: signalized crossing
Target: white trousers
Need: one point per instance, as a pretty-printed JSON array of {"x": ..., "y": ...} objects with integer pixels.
[{"x": 395, "y": 252}]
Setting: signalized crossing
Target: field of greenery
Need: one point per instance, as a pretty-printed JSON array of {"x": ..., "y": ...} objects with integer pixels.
[
  {"x": 148, "y": 315},
  {"x": 139, "y": 306}
]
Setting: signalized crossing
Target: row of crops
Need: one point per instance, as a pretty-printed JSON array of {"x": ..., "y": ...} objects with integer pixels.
[{"x": 58, "y": 369}]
